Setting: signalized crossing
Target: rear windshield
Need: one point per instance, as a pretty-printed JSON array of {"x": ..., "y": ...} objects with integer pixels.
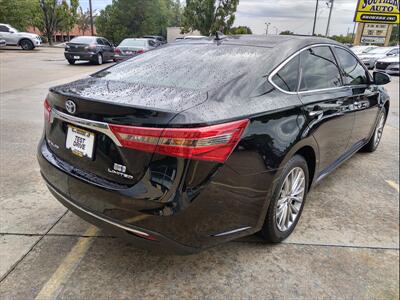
[
  {"x": 133, "y": 43},
  {"x": 197, "y": 67},
  {"x": 83, "y": 40}
]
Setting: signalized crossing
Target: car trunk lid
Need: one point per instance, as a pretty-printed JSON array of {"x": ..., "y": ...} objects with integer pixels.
[{"x": 110, "y": 103}]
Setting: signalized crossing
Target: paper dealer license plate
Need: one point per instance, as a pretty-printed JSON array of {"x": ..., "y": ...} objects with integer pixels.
[{"x": 80, "y": 142}]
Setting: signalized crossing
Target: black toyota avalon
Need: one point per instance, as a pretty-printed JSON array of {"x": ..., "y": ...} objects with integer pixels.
[{"x": 201, "y": 142}]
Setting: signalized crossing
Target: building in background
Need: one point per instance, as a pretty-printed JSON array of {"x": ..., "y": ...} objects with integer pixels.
[{"x": 63, "y": 36}]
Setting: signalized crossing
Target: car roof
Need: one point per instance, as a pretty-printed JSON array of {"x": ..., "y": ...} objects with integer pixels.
[{"x": 271, "y": 41}]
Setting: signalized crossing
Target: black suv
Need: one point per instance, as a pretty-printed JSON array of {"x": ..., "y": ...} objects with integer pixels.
[{"x": 89, "y": 48}]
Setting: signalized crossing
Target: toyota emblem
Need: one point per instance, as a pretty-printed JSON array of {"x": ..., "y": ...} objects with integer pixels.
[{"x": 70, "y": 106}]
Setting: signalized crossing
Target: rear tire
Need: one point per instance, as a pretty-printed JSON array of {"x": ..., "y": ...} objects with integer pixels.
[
  {"x": 287, "y": 201},
  {"x": 378, "y": 132},
  {"x": 71, "y": 61},
  {"x": 26, "y": 44},
  {"x": 99, "y": 59}
]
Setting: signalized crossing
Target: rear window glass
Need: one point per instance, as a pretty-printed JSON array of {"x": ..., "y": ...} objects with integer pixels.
[
  {"x": 133, "y": 43},
  {"x": 288, "y": 77},
  {"x": 196, "y": 67},
  {"x": 83, "y": 40}
]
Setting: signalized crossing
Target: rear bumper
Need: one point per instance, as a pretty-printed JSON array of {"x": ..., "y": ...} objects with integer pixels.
[
  {"x": 130, "y": 233},
  {"x": 80, "y": 55},
  {"x": 200, "y": 215}
]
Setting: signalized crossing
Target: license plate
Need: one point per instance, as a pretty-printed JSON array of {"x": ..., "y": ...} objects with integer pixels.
[
  {"x": 128, "y": 52},
  {"x": 80, "y": 141},
  {"x": 77, "y": 57}
]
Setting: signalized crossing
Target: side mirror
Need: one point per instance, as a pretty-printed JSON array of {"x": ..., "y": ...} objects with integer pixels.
[
  {"x": 381, "y": 78},
  {"x": 390, "y": 54},
  {"x": 11, "y": 31}
]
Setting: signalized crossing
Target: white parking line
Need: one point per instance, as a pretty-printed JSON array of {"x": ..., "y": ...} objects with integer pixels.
[{"x": 393, "y": 184}]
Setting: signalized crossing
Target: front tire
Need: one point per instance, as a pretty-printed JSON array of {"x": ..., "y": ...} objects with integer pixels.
[
  {"x": 26, "y": 44},
  {"x": 378, "y": 132},
  {"x": 71, "y": 61},
  {"x": 287, "y": 201}
]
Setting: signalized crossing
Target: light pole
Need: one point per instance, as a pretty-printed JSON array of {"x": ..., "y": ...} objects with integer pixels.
[
  {"x": 267, "y": 24},
  {"x": 330, "y": 15},
  {"x": 315, "y": 17}
]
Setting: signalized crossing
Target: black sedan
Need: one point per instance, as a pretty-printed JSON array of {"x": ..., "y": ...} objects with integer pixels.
[
  {"x": 90, "y": 48},
  {"x": 201, "y": 142}
]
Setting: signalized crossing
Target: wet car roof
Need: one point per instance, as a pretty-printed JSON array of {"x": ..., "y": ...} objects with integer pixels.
[{"x": 271, "y": 41}]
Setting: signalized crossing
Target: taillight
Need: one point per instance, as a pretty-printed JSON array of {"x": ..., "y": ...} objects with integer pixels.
[
  {"x": 141, "y": 51},
  {"x": 117, "y": 51},
  {"x": 213, "y": 143},
  {"x": 47, "y": 109},
  {"x": 91, "y": 47}
]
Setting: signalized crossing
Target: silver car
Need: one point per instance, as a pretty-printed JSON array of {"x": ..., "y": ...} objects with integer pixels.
[
  {"x": 389, "y": 65},
  {"x": 13, "y": 37},
  {"x": 369, "y": 59}
]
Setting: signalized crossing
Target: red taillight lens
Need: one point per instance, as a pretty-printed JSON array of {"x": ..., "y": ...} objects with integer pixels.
[
  {"x": 214, "y": 143},
  {"x": 117, "y": 51},
  {"x": 140, "y": 51},
  {"x": 47, "y": 109}
]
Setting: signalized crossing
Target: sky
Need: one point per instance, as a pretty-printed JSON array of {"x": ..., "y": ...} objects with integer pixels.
[{"x": 293, "y": 15}]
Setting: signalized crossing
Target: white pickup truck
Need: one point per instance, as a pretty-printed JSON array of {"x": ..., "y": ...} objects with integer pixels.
[{"x": 26, "y": 40}]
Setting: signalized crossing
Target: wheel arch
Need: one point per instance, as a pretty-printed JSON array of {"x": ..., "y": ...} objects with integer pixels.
[
  {"x": 308, "y": 149},
  {"x": 24, "y": 38}
]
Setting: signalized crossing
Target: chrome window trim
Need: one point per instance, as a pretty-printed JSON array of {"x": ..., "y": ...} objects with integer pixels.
[
  {"x": 89, "y": 124},
  {"x": 283, "y": 64}
]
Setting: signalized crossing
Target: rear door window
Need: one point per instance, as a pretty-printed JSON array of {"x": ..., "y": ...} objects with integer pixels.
[
  {"x": 318, "y": 69},
  {"x": 353, "y": 72},
  {"x": 288, "y": 77}
]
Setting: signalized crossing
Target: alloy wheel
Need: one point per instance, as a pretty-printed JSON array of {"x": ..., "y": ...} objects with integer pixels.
[
  {"x": 290, "y": 199},
  {"x": 379, "y": 130}
]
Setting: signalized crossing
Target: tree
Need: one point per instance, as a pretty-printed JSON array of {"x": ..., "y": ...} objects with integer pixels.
[
  {"x": 287, "y": 32},
  {"x": 395, "y": 36},
  {"x": 19, "y": 14},
  {"x": 135, "y": 18},
  {"x": 50, "y": 8},
  {"x": 240, "y": 30},
  {"x": 67, "y": 16},
  {"x": 209, "y": 16},
  {"x": 83, "y": 20}
]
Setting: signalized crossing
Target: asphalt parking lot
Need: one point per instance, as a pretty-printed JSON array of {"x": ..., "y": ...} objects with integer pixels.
[{"x": 346, "y": 246}]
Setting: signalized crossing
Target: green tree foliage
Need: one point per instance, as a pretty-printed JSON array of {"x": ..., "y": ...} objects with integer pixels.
[
  {"x": 83, "y": 20},
  {"x": 19, "y": 14},
  {"x": 67, "y": 16},
  {"x": 395, "y": 37},
  {"x": 135, "y": 18},
  {"x": 345, "y": 39},
  {"x": 209, "y": 16},
  {"x": 240, "y": 30}
]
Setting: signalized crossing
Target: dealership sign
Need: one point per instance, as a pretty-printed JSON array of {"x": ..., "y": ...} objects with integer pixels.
[
  {"x": 378, "y": 11},
  {"x": 373, "y": 40}
]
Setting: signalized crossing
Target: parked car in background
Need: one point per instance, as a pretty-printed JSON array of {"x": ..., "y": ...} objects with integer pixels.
[
  {"x": 191, "y": 37},
  {"x": 133, "y": 46},
  {"x": 389, "y": 65},
  {"x": 369, "y": 59},
  {"x": 90, "y": 48},
  {"x": 13, "y": 37},
  {"x": 159, "y": 39},
  {"x": 362, "y": 49},
  {"x": 193, "y": 145},
  {"x": 3, "y": 43}
]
